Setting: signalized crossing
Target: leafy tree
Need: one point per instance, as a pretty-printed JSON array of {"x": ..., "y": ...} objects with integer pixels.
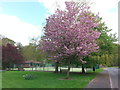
[
  {"x": 32, "y": 52},
  {"x": 4, "y": 41},
  {"x": 19, "y": 46},
  {"x": 70, "y": 34},
  {"x": 10, "y": 56},
  {"x": 106, "y": 40},
  {"x": 28, "y": 52},
  {"x": 107, "y": 47}
]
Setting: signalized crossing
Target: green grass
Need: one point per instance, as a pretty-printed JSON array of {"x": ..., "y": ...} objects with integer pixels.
[
  {"x": 14, "y": 79},
  {"x": 0, "y": 79}
]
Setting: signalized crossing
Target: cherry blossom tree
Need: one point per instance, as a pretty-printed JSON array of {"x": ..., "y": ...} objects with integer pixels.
[{"x": 71, "y": 33}]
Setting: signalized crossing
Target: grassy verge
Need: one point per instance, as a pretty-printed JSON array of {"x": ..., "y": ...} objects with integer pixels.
[{"x": 14, "y": 79}]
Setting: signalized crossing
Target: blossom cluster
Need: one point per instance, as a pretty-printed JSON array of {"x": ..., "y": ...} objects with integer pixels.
[{"x": 71, "y": 32}]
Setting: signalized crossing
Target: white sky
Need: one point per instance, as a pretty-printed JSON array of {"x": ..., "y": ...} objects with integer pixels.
[{"x": 19, "y": 31}]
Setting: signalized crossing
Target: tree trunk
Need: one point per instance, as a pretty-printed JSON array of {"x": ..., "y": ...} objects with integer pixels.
[
  {"x": 9, "y": 68},
  {"x": 68, "y": 71},
  {"x": 83, "y": 69},
  {"x": 56, "y": 67},
  {"x": 94, "y": 69},
  {"x": 4, "y": 68},
  {"x": 32, "y": 68},
  {"x": 20, "y": 67}
]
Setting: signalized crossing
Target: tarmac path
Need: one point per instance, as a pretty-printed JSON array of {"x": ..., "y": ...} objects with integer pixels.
[
  {"x": 107, "y": 79},
  {"x": 114, "y": 74}
]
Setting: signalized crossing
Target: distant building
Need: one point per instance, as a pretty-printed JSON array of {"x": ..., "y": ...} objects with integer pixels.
[{"x": 30, "y": 64}]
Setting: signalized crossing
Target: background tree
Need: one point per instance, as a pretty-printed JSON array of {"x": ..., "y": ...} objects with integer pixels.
[
  {"x": 32, "y": 52},
  {"x": 4, "y": 41},
  {"x": 10, "y": 56},
  {"x": 19, "y": 46},
  {"x": 106, "y": 41},
  {"x": 69, "y": 34}
]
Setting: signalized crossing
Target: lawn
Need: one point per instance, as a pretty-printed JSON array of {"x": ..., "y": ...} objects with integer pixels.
[
  {"x": 14, "y": 79},
  {"x": 0, "y": 79}
]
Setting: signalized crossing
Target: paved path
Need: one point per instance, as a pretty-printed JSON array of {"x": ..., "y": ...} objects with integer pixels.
[
  {"x": 113, "y": 75},
  {"x": 106, "y": 79}
]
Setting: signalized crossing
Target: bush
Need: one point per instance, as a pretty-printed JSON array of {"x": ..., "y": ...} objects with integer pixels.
[{"x": 29, "y": 77}]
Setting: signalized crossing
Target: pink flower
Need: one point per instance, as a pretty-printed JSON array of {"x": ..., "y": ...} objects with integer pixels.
[{"x": 70, "y": 32}]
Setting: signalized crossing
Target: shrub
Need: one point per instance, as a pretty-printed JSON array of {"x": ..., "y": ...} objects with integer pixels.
[{"x": 29, "y": 76}]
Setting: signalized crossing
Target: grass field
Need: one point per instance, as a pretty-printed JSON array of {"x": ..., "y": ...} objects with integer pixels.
[
  {"x": 14, "y": 79},
  {"x": 0, "y": 79}
]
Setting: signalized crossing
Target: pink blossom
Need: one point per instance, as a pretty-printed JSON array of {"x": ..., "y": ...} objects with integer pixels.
[{"x": 70, "y": 32}]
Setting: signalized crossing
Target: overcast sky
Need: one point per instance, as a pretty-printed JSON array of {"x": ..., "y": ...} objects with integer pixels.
[{"x": 21, "y": 20}]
